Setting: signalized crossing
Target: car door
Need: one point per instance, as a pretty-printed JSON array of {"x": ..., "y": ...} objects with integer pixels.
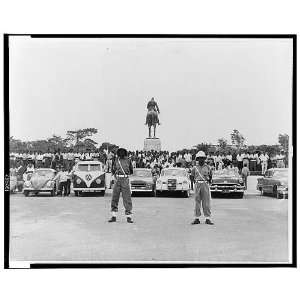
[{"x": 267, "y": 182}]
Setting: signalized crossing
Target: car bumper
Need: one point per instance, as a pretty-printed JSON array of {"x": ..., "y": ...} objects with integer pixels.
[
  {"x": 38, "y": 190},
  {"x": 221, "y": 189},
  {"x": 89, "y": 189},
  {"x": 177, "y": 189},
  {"x": 141, "y": 189}
]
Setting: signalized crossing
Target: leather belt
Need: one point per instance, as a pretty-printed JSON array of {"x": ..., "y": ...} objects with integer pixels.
[
  {"x": 201, "y": 181},
  {"x": 124, "y": 176}
]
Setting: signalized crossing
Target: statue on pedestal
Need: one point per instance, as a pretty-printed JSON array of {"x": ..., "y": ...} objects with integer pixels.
[{"x": 152, "y": 116}]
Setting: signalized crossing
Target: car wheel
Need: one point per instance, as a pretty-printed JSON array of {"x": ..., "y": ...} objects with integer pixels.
[
  {"x": 154, "y": 193},
  {"x": 240, "y": 195},
  {"x": 26, "y": 193},
  {"x": 158, "y": 193},
  {"x": 76, "y": 193},
  {"x": 275, "y": 192},
  {"x": 102, "y": 193},
  {"x": 186, "y": 194},
  {"x": 36, "y": 193}
]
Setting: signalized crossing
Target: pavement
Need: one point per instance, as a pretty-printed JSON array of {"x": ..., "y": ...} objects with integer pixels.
[{"x": 252, "y": 229}]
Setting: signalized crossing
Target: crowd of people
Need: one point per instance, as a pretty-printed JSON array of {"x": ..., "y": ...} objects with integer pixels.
[{"x": 256, "y": 162}]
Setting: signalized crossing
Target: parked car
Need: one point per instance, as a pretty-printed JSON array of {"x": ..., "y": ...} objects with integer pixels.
[
  {"x": 89, "y": 176},
  {"x": 142, "y": 180},
  {"x": 275, "y": 182},
  {"x": 227, "y": 181},
  {"x": 174, "y": 180},
  {"x": 41, "y": 180}
]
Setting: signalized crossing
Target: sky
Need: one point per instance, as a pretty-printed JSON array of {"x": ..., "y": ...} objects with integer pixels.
[{"x": 204, "y": 88}]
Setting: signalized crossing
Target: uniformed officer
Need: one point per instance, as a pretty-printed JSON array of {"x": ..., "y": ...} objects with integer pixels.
[
  {"x": 202, "y": 176},
  {"x": 121, "y": 169}
]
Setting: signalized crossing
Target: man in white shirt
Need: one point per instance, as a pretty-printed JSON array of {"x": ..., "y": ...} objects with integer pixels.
[{"x": 264, "y": 162}]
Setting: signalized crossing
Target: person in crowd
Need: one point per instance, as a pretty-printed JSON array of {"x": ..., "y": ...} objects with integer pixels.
[
  {"x": 245, "y": 174},
  {"x": 264, "y": 162},
  {"x": 202, "y": 175},
  {"x": 121, "y": 169},
  {"x": 62, "y": 179}
]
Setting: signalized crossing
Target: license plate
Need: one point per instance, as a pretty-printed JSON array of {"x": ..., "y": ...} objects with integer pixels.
[{"x": 225, "y": 191}]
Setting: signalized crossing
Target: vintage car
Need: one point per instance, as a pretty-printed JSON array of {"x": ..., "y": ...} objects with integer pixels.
[
  {"x": 41, "y": 180},
  {"x": 142, "y": 180},
  {"x": 275, "y": 182},
  {"x": 89, "y": 176},
  {"x": 227, "y": 181},
  {"x": 174, "y": 180}
]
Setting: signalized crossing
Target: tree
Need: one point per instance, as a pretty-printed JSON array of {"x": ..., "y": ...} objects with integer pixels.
[
  {"x": 56, "y": 142},
  {"x": 283, "y": 140},
  {"x": 108, "y": 146},
  {"x": 203, "y": 147},
  {"x": 222, "y": 143},
  {"x": 75, "y": 137},
  {"x": 237, "y": 139}
]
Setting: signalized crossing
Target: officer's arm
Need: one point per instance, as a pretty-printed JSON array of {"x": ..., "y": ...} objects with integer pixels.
[
  {"x": 113, "y": 167},
  {"x": 130, "y": 167},
  {"x": 209, "y": 175},
  {"x": 193, "y": 172}
]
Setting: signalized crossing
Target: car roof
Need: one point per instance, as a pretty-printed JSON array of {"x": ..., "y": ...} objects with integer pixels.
[
  {"x": 45, "y": 169},
  {"x": 277, "y": 169},
  {"x": 142, "y": 169}
]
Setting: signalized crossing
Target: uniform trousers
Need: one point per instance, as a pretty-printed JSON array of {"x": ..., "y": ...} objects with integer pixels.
[
  {"x": 121, "y": 185},
  {"x": 202, "y": 198}
]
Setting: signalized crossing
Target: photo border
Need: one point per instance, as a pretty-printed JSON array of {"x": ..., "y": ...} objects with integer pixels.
[{"x": 49, "y": 265}]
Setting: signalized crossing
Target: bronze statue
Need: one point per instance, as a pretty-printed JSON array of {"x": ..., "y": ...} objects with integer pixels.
[{"x": 152, "y": 116}]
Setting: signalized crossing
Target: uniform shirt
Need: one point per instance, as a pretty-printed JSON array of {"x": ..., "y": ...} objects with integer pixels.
[
  {"x": 205, "y": 172},
  {"x": 126, "y": 164},
  {"x": 239, "y": 158}
]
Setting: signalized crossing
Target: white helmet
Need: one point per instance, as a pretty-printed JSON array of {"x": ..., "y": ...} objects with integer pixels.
[{"x": 200, "y": 154}]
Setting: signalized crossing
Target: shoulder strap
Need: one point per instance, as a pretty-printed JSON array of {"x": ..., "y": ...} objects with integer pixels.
[
  {"x": 121, "y": 167},
  {"x": 199, "y": 173}
]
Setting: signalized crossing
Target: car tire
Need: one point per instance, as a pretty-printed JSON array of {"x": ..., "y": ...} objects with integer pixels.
[
  {"x": 154, "y": 193},
  {"x": 76, "y": 193},
  {"x": 158, "y": 193},
  {"x": 102, "y": 193},
  {"x": 240, "y": 195},
  {"x": 26, "y": 193},
  {"x": 186, "y": 194},
  {"x": 275, "y": 192}
]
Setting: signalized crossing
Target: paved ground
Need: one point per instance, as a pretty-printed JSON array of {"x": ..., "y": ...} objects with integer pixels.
[{"x": 75, "y": 228}]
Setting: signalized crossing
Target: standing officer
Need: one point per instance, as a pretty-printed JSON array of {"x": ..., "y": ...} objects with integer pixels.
[
  {"x": 121, "y": 169},
  {"x": 202, "y": 176}
]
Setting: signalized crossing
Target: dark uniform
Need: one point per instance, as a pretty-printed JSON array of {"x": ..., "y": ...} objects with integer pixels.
[{"x": 121, "y": 169}]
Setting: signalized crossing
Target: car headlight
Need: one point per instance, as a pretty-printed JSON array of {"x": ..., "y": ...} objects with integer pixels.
[
  {"x": 27, "y": 183},
  {"x": 78, "y": 180},
  {"x": 98, "y": 180},
  {"x": 241, "y": 180},
  {"x": 49, "y": 183},
  {"x": 282, "y": 188}
]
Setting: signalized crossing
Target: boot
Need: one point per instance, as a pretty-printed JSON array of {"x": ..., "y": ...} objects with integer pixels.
[
  {"x": 112, "y": 219},
  {"x": 129, "y": 220},
  {"x": 209, "y": 222},
  {"x": 196, "y": 221}
]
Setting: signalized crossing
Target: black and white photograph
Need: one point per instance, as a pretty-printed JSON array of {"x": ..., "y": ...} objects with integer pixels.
[{"x": 150, "y": 150}]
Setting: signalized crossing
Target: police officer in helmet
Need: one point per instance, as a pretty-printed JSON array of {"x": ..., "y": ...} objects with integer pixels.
[
  {"x": 202, "y": 176},
  {"x": 121, "y": 169}
]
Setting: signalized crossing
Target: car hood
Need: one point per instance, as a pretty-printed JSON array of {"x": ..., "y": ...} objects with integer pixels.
[
  {"x": 283, "y": 181},
  {"x": 38, "y": 182}
]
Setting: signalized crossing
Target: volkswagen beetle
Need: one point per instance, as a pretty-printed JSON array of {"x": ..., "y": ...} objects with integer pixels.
[{"x": 41, "y": 180}]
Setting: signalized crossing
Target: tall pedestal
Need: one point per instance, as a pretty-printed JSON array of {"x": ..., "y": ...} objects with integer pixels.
[{"x": 152, "y": 144}]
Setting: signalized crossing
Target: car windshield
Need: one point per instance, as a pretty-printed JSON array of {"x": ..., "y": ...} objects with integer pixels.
[
  {"x": 173, "y": 172},
  {"x": 142, "y": 173},
  {"x": 82, "y": 167},
  {"x": 281, "y": 173},
  {"x": 226, "y": 172},
  {"x": 43, "y": 173},
  {"x": 95, "y": 167}
]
